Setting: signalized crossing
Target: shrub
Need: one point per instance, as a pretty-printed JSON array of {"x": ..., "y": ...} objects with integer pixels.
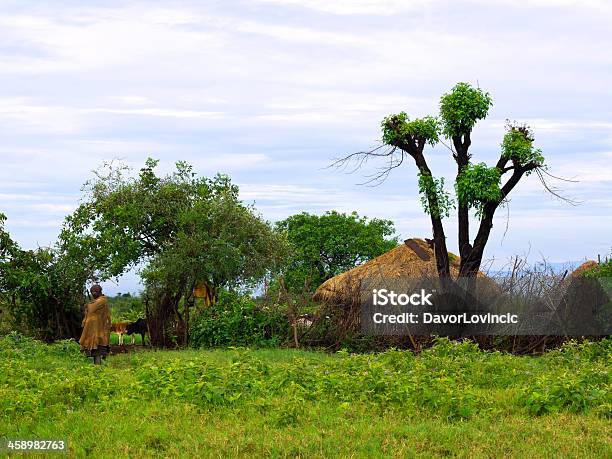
[{"x": 238, "y": 320}]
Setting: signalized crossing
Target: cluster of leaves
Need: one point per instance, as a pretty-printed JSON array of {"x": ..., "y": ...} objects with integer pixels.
[
  {"x": 436, "y": 201},
  {"x": 462, "y": 107},
  {"x": 238, "y": 320},
  {"x": 478, "y": 184},
  {"x": 393, "y": 379},
  {"x": 323, "y": 246},
  {"x": 42, "y": 289},
  {"x": 580, "y": 380},
  {"x": 124, "y": 220},
  {"x": 398, "y": 129},
  {"x": 518, "y": 146}
]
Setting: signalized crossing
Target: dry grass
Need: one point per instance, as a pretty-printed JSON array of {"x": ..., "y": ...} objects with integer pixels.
[
  {"x": 399, "y": 263},
  {"x": 584, "y": 267}
]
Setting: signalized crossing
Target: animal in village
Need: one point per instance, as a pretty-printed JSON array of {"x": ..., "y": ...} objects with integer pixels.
[
  {"x": 131, "y": 329},
  {"x": 139, "y": 327},
  {"x": 121, "y": 329}
]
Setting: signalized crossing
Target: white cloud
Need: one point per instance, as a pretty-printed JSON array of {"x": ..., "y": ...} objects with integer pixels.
[
  {"x": 354, "y": 7},
  {"x": 272, "y": 91},
  {"x": 394, "y": 7},
  {"x": 157, "y": 111},
  {"x": 560, "y": 125},
  {"x": 133, "y": 100}
]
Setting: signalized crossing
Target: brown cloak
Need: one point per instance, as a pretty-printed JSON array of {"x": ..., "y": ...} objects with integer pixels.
[{"x": 96, "y": 325}]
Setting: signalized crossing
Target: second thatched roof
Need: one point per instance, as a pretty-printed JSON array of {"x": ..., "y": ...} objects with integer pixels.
[
  {"x": 585, "y": 267},
  {"x": 413, "y": 259}
]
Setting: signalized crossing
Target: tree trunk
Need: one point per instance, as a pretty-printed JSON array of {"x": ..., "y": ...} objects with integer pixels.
[
  {"x": 470, "y": 265},
  {"x": 167, "y": 326},
  {"x": 440, "y": 250},
  {"x": 159, "y": 320},
  {"x": 442, "y": 264},
  {"x": 463, "y": 159}
]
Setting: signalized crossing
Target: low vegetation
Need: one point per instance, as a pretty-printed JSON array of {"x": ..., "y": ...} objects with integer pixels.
[{"x": 289, "y": 402}]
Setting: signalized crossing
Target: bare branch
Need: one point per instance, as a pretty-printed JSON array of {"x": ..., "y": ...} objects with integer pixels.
[
  {"x": 379, "y": 177},
  {"x": 357, "y": 160},
  {"x": 360, "y": 158},
  {"x": 553, "y": 190},
  {"x": 559, "y": 178}
]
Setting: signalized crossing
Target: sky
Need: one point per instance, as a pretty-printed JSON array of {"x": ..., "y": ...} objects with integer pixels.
[{"x": 272, "y": 91}]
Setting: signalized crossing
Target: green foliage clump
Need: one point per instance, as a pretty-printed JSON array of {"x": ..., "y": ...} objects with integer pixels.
[
  {"x": 580, "y": 380},
  {"x": 518, "y": 146},
  {"x": 478, "y": 184},
  {"x": 38, "y": 380},
  {"x": 389, "y": 380},
  {"x": 602, "y": 270},
  {"x": 435, "y": 199},
  {"x": 323, "y": 246},
  {"x": 399, "y": 129},
  {"x": 42, "y": 289},
  {"x": 238, "y": 320},
  {"x": 461, "y": 108}
]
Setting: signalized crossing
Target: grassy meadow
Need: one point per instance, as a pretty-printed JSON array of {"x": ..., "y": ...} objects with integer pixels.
[{"x": 450, "y": 400}]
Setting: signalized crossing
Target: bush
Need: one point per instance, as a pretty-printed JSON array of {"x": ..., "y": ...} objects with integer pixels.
[{"x": 238, "y": 320}]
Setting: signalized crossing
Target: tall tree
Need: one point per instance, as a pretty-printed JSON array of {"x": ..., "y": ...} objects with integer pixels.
[
  {"x": 184, "y": 228},
  {"x": 326, "y": 245},
  {"x": 478, "y": 187}
]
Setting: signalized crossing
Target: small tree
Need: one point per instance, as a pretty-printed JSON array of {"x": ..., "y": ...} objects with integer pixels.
[
  {"x": 478, "y": 187},
  {"x": 185, "y": 228},
  {"x": 326, "y": 245}
]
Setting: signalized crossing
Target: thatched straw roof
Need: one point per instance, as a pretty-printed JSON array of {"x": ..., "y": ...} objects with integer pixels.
[
  {"x": 584, "y": 267},
  {"x": 414, "y": 258}
]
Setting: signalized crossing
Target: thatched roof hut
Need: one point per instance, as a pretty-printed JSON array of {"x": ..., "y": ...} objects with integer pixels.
[
  {"x": 415, "y": 258},
  {"x": 588, "y": 265}
]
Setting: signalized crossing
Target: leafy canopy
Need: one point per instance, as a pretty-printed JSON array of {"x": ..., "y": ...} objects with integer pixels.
[
  {"x": 432, "y": 191},
  {"x": 184, "y": 226},
  {"x": 518, "y": 146},
  {"x": 399, "y": 129},
  {"x": 478, "y": 184},
  {"x": 329, "y": 244},
  {"x": 461, "y": 108}
]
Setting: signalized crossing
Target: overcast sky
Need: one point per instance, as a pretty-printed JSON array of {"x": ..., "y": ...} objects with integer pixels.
[{"x": 272, "y": 91}]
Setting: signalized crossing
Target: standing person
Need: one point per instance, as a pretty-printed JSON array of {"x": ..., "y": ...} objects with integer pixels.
[{"x": 96, "y": 326}]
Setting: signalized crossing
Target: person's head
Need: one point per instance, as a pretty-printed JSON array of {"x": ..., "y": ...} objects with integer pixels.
[{"x": 96, "y": 290}]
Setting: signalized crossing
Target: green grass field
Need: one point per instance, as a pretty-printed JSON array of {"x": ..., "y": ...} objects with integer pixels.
[{"x": 452, "y": 400}]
